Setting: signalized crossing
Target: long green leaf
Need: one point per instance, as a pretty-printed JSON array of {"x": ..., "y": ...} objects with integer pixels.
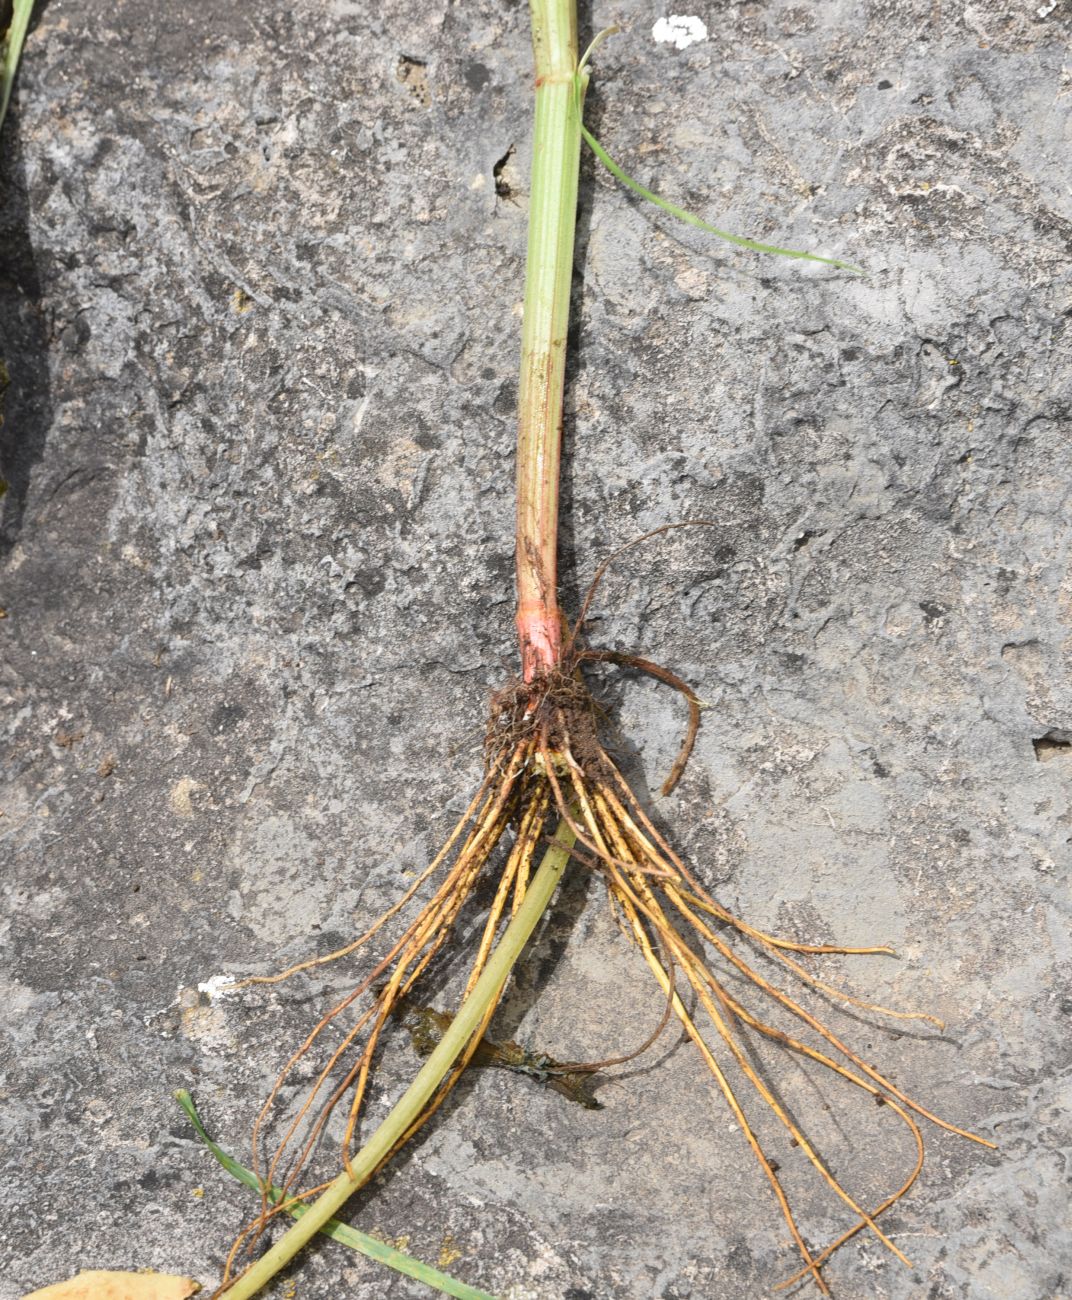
[
  {"x": 12, "y": 50},
  {"x": 700, "y": 224},
  {"x": 361, "y": 1241}
]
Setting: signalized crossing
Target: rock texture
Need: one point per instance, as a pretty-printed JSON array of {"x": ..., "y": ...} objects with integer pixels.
[{"x": 260, "y": 311}]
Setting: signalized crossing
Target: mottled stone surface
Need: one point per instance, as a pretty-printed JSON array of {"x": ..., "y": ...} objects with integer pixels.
[{"x": 260, "y": 308}]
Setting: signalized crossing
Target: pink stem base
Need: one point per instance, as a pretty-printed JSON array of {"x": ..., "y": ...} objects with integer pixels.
[{"x": 539, "y": 633}]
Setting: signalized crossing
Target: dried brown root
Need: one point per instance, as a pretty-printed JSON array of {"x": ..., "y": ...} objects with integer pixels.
[{"x": 545, "y": 762}]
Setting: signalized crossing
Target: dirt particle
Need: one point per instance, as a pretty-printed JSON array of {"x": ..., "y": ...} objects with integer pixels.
[
  {"x": 180, "y": 798},
  {"x": 506, "y": 175},
  {"x": 413, "y": 74}
]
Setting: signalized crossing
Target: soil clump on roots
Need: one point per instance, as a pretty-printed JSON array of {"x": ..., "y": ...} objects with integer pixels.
[{"x": 553, "y": 715}]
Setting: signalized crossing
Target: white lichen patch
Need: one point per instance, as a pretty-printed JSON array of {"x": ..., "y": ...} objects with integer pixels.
[
  {"x": 217, "y": 986},
  {"x": 679, "y": 30},
  {"x": 204, "y": 1024}
]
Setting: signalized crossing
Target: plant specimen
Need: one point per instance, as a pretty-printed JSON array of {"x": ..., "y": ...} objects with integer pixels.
[{"x": 553, "y": 792}]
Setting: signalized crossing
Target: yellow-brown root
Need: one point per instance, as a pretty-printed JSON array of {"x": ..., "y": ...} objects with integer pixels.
[{"x": 545, "y": 763}]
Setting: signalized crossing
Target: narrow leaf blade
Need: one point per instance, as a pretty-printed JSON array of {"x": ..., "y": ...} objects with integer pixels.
[
  {"x": 692, "y": 220},
  {"x": 377, "y": 1250},
  {"x": 12, "y": 50}
]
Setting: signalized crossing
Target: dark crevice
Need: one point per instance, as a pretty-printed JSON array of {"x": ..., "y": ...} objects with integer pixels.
[
  {"x": 1054, "y": 744},
  {"x": 25, "y": 406},
  {"x": 802, "y": 539}
]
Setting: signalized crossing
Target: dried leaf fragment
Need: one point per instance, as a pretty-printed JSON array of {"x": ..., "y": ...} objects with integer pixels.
[{"x": 104, "y": 1284}]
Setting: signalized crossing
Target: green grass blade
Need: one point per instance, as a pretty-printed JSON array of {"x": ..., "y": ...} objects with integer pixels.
[
  {"x": 613, "y": 30},
  {"x": 377, "y": 1250},
  {"x": 12, "y": 50},
  {"x": 700, "y": 224}
]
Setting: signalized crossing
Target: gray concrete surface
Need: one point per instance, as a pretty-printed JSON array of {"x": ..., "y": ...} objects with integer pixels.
[{"x": 260, "y": 311}]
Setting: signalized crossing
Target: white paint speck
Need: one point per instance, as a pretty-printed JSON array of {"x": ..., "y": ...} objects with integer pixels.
[
  {"x": 681, "y": 31},
  {"x": 218, "y": 986}
]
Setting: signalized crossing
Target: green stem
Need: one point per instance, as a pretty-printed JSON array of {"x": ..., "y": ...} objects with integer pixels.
[
  {"x": 548, "y": 277},
  {"x": 11, "y": 51},
  {"x": 413, "y": 1101}
]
